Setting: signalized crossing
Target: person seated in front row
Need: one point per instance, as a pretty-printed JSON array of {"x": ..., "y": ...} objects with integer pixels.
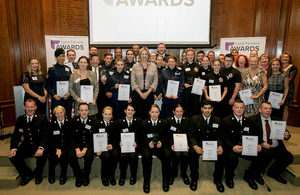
[{"x": 33, "y": 127}]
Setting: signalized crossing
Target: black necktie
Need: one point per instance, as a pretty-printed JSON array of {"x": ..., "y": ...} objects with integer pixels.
[
  {"x": 173, "y": 74},
  {"x": 268, "y": 131},
  {"x": 29, "y": 120},
  {"x": 177, "y": 122},
  {"x": 206, "y": 120},
  {"x": 63, "y": 73},
  {"x": 129, "y": 124},
  {"x": 240, "y": 123}
]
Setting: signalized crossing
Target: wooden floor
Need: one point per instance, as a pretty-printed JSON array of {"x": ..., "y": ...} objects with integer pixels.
[{"x": 205, "y": 183}]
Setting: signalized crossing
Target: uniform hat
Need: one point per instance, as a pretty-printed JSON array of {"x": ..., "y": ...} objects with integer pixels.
[{"x": 59, "y": 51}]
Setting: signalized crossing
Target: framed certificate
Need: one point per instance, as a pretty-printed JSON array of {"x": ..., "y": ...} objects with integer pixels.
[
  {"x": 127, "y": 140},
  {"x": 100, "y": 142},
  {"x": 123, "y": 92},
  {"x": 62, "y": 88},
  {"x": 86, "y": 93},
  {"x": 210, "y": 150},
  {"x": 172, "y": 88}
]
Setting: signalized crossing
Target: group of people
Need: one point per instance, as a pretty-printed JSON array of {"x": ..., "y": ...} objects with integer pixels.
[{"x": 200, "y": 117}]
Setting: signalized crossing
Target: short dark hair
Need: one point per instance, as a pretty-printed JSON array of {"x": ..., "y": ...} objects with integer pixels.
[
  {"x": 200, "y": 51},
  {"x": 130, "y": 104},
  {"x": 178, "y": 106},
  {"x": 83, "y": 103},
  {"x": 205, "y": 103},
  {"x": 30, "y": 100},
  {"x": 229, "y": 55},
  {"x": 238, "y": 101},
  {"x": 84, "y": 57},
  {"x": 264, "y": 102},
  {"x": 108, "y": 54}
]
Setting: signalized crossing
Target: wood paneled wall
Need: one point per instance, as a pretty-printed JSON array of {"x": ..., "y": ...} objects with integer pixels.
[{"x": 25, "y": 23}]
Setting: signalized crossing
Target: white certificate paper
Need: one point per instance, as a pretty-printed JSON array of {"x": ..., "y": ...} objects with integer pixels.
[
  {"x": 100, "y": 142},
  {"x": 245, "y": 96},
  {"x": 158, "y": 103},
  {"x": 215, "y": 92},
  {"x": 62, "y": 87},
  {"x": 172, "y": 88},
  {"x": 277, "y": 129},
  {"x": 180, "y": 142},
  {"x": 127, "y": 140},
  {"x": 198, "y": 85},
  {"x": 274, "y": 99},
  {"x": 123, "y": 92},
  {"x": 86, "y": 93},
  {"x": 210, "y": 150},
  {"x": 249, "y": 144}
]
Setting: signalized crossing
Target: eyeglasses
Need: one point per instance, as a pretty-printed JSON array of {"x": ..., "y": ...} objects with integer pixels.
[{"x": 241, "y": 60}]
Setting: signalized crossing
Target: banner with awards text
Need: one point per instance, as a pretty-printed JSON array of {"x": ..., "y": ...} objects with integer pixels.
[
  {"x": 243, "y": 44},
  {"x": 78, "y": 43}
]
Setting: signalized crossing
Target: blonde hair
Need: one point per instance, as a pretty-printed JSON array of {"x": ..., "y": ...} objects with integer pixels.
[
  {"x": 59, "y": 108},
  {"x": 144, "y": 49},
  {"x": 39, "y": 72},
  {"x": 108, "y": 108}
]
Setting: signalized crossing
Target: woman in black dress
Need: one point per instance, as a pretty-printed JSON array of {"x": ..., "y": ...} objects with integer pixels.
[{"x": 33, "y": 83}]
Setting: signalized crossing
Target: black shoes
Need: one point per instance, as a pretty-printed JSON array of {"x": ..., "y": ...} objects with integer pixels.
[
  {"x": 51, "y": 179},
  {"x": 78, "y": 182},
  {"x": 171, "y": 181},
  {"x": 132, "y": 180},
  {"x": 251, "y": 182},
  {"x": 229, "y": 183},
  {"x": 62, "y": 180},
  {"x": 38, "y": 179},
  {"x": 112, "y": 181},
  {"x": 105, "y": 181},
  {"x": 186, "y": 180},
  {"x": 121, "y": 181},
  {"x": 193, "y": 185},
  {"x": 166, "y": 185},
  {"x": 219, "y": 185},
  {"x": 146, "y": 187},
  {"x": 25, "y": 180},
  {"x": 259, "y": 180},
  {"x": 278, "y": 178},
  {"x": 86, "y": 181}
]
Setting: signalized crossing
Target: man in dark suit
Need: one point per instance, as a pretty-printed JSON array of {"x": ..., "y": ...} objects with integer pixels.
[
  {"x": 161, "y": 50},
  {"x": 275, "y": 149},
  {"x": 205, "y": 127},
  {"x": 234, "y": 127},
  {"x": 32, "y": 126}
]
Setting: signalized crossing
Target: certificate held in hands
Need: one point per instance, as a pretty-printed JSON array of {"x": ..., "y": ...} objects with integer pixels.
[
  {"x": 180, "y": 142},
  {"x": 123, "y": 92},
  {"x": 172, "y": 88},
  {"x": 198, "y": 85},
  {"x": 86, "y": 93},
  {"x": 249, "y": 144},
  {"x": 100, "y": 142},
  {"x": 62, "y": 88},
  {"x": 215, "y": 92},
  {"x": 127, "y": 140},
  {"x": 245, "y": 96},
  {"x": 275, "y": 99},
  {"x": 210, "y": 150},
  {"x": 277, "y": 130}
]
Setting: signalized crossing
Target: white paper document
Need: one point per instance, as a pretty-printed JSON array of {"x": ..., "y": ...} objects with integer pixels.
[
  {"x": 277, "y": 129},
  {"x": 210, "y": 150},
  {"x": 245, "y": 96},
  {"x": 249, "y": 144},
  {"x": 158, "y": 103},
  {"x": 100, "y": 142},
  {"x": 180, "y": 142},
  {"x": 62, "y": 87},
  {"x": 215, "y": 92},
  {"x": 123, "y": 92},
  {"x": 86, "y": 93},
  {"x": 198, "y": 85},
  {"x": 172, "y": 88},
  {"x": 127, "y": 140},
  {"x": 274, "y": 99}
]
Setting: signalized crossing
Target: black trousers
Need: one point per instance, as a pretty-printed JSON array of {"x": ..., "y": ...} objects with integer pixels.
[
  {"x": 181, "y": 158},
  {"x": 109, "y": 161},
  {"x": 25, "y": 151},
  {"x": 88, "y": 160},
  {"x": 132, "y": 160},
  {"x": 191, "y": 102},
  {"x": 282, "y": 156},
  {"x": 256, "y": 166},
  {"x": 62, "y": 161},
  {"x": 194, "y": 166},
  {"x": 164, "y": 155},
  {"x": 142, "y": 106}
]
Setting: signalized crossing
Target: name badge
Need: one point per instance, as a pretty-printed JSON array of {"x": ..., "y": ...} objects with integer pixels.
[
  {"x": 187, "y": 69},
  {"x": 56, "y": 132},
  {"x": 130, "y": 69},
  {"x": 101, "y": 130},
  {"x": 254, "y": 78},
  {"x": 150, "y": 135},
  {"x": 34, "y": 78},
  {"x": 125, "y": 130},
  {"x": 88, "y": 127},
  {"x": 211, "y": 81},
  {"x": 77, "y": 80},
  {"x": 21, "y": 130},
  {"x": 246, "y": 128},
  {"x": 203, "y": 73},
  {"x": 173, "y": 128},
  {"x": 177, "y": 73},
  {"x": 111, "y": 73},
  {"x": 126, "y": 76},
  {"x": 67, "y": 69},
  {"x": 215, "y": 125}
]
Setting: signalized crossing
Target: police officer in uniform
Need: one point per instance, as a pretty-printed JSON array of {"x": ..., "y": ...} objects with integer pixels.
[
  {"x": 205, "y": 127},
  {"x": 33, "y": 127}
]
